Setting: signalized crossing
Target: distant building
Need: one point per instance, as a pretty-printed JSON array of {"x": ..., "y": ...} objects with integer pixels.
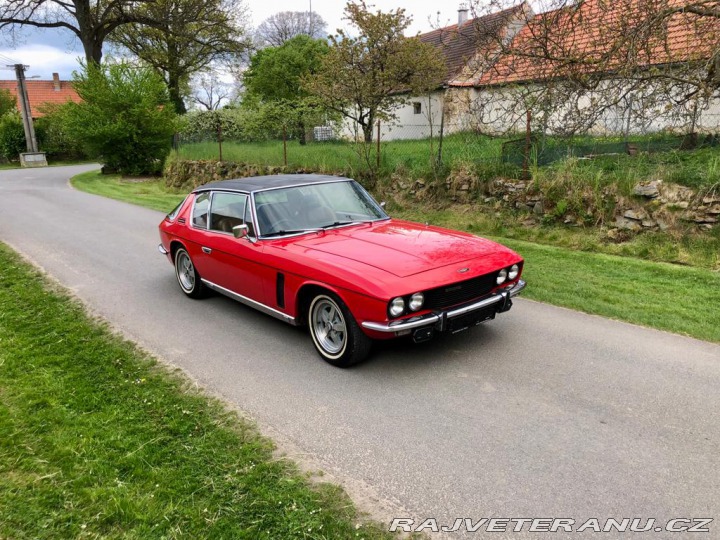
[{"x": 44, "y": 92}]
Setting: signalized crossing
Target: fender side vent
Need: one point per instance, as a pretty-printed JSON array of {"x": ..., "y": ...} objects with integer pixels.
[{"x": 280, "y": 290}]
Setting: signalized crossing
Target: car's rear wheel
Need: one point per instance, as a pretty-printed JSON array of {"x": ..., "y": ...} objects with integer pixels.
[
  {"x": 187, "y": 276},
  {"x": 336, "y": 335}
]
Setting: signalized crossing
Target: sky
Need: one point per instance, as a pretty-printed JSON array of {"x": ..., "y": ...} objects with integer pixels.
[{"x": 49, "y": 50}]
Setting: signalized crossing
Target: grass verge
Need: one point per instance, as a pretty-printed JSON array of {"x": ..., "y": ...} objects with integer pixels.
[
  {"x": 100, "y": 441},
  {"x": 150, "y": 193},
  {"x": 658, "y": 295},
  {"x": 52, "y": 163},
  {"x": 675, "y": 298}
]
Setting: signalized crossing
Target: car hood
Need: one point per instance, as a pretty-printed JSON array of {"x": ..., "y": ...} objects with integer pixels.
[{"x": 403, "y": 248}]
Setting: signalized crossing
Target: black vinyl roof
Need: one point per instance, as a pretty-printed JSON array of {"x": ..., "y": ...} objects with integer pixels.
[{"x": 259, "y": 183}]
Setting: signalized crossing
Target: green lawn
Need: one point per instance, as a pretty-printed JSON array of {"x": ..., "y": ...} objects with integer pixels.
[
  {"x": 100, "y": 441},
  {"x": 670, "y": 297},
  {"x": 415, "y": 157},
  {"x": 658, "y": 295}
]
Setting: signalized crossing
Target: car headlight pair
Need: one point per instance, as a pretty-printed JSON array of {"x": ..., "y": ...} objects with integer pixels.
[
  {"x": 414, "y": 303},
  {"x": 508, "y": 274}
]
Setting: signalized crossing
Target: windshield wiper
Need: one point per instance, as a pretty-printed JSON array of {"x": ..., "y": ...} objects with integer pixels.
[
  {"x": 339, "y": 223},
  {"x": 290, "y": 231}
]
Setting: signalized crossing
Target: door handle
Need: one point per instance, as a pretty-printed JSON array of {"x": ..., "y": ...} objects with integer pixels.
[{"x": 207, "y": 250}]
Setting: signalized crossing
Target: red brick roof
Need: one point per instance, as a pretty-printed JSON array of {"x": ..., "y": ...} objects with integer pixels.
[
  {"x": 42, "y": 92},
  {"x": 599, "y": 36},
  {"x": 460, "y": 44}
]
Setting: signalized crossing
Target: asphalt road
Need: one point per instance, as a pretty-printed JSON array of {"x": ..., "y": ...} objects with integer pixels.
[{"x": 544, "y": 412}]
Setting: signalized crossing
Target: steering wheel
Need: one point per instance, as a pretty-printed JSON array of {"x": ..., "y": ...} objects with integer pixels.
[{"x": 281, "y": 224}]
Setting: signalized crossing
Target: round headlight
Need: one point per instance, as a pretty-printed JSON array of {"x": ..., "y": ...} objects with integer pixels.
[
  {"x": 502, "y": 276},
  {"x": 416, "y": 301},
  {"x": 513, "y": 273},
  {"x": 397, "y": 306}
]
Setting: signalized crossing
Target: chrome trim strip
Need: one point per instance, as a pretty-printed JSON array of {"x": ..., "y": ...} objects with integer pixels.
[
  {"x": 517, "y": 289},
  {"x": 249, "y": 302},
  {"x": 399, "y": 326},
  {"x": 477, "y": 305},
  {"x": 432, "y": 318},
  {"x": 162, "y": 249}
]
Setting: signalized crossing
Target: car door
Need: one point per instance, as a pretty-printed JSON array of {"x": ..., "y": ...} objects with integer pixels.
[{"x": 233, "y": 263}]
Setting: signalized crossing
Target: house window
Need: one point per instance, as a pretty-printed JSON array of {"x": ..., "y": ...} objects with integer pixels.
[{"x": 417, "y": 107}]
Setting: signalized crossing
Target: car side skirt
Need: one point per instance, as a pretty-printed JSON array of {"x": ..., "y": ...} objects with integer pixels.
[{"x": 251, "y": 303}]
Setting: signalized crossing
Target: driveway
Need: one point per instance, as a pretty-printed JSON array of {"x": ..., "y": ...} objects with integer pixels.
[{"x": 544, "y": 412}]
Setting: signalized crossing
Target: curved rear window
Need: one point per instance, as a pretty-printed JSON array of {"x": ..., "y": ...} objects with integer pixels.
[{"x": 173, "y": 214}]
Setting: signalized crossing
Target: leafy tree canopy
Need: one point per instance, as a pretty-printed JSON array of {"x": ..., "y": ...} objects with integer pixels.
[
  {"x": 125, "y": 118},
  {"x": 364, "y": 77},
  {"x": 190, "y": 36},
  {"x": 274, "y": 82}
]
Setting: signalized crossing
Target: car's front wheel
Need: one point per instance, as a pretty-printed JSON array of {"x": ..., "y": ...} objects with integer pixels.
[
  {"x": 336, "y": 335},
  {"x": 187, "y": 276}
]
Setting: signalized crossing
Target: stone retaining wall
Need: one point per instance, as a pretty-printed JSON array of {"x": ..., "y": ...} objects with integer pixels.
[{"x": 652, "y": 206}]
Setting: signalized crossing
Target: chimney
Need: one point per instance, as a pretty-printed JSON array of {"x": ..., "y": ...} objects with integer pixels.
[
  {"x": 56, "y": 82},
  {"x": 462, "y": 14}
]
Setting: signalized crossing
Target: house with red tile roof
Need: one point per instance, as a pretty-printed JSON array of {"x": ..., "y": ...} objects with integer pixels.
[
  {"x": 498, "y": 62},
  {"x": 44, "y": 92}
]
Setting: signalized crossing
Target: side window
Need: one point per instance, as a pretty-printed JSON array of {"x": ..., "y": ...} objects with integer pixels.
[
  {"x": 200, "y": 210},
  {"x": 227, "y": 211}
]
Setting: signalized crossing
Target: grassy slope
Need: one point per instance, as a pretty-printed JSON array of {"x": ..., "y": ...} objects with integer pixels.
[
  {"x": 151, "y": 194},
  {"x": 669, "y": 297},
  {"x": 98, "y": 441}
]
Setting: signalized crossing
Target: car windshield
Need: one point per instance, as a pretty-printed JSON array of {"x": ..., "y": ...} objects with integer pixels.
[{"x": 311, "y": 207}]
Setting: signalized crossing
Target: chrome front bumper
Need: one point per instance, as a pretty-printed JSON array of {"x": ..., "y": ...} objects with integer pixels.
[
  {"x": 162, "y": 249},
  {"x": 435, "y": 318}
]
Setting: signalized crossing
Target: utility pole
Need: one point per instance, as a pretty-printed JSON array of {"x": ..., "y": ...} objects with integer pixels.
[
  {"x": 25, "y": 111},
  {"x": 31, "y": 158}
]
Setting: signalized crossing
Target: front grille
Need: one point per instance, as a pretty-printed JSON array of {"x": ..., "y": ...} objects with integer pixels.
[{"x": 460, "y": 292}]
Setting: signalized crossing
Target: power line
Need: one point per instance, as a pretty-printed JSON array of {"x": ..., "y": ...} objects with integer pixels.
[{"x": 7, "y": 59}]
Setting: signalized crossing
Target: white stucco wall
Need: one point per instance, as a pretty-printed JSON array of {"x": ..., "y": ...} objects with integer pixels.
[{"x": 501, "y": 111}]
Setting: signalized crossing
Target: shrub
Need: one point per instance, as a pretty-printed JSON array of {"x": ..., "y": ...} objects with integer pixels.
[
  {"x": 125, "y": 119},
  {"x": 12, "y": 137},
  {"x": 199, "y": 126},
  {"x": 53, "y": 136}
]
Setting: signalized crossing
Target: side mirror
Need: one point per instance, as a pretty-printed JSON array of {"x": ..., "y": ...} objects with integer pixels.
[
  {"x": 240, "y": 231},
  {"x": 382, "y": 204}
]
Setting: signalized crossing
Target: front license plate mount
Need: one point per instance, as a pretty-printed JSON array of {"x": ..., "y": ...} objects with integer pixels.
[{"x": 463, "y": 322}]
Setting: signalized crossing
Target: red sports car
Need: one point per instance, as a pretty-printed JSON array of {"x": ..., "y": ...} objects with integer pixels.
[{"x": 319, "y": 251}]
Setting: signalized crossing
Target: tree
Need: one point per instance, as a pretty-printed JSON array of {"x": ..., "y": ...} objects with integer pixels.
[
  {"x": 285, "y": 25},
  {"x": 275, "y": 77},
  {"x": 91, "y": 21},
  {"x": 190, "y": 35},
  {"x": 7, "y": 102},
  {"x": 365, "y": 78},
  {"x": 125, "y": 118},
  {"x": 209, "y": 91}
]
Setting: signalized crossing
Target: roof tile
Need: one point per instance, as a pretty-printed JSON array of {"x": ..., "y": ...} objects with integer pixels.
[{"x": 42, "y": 92}]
